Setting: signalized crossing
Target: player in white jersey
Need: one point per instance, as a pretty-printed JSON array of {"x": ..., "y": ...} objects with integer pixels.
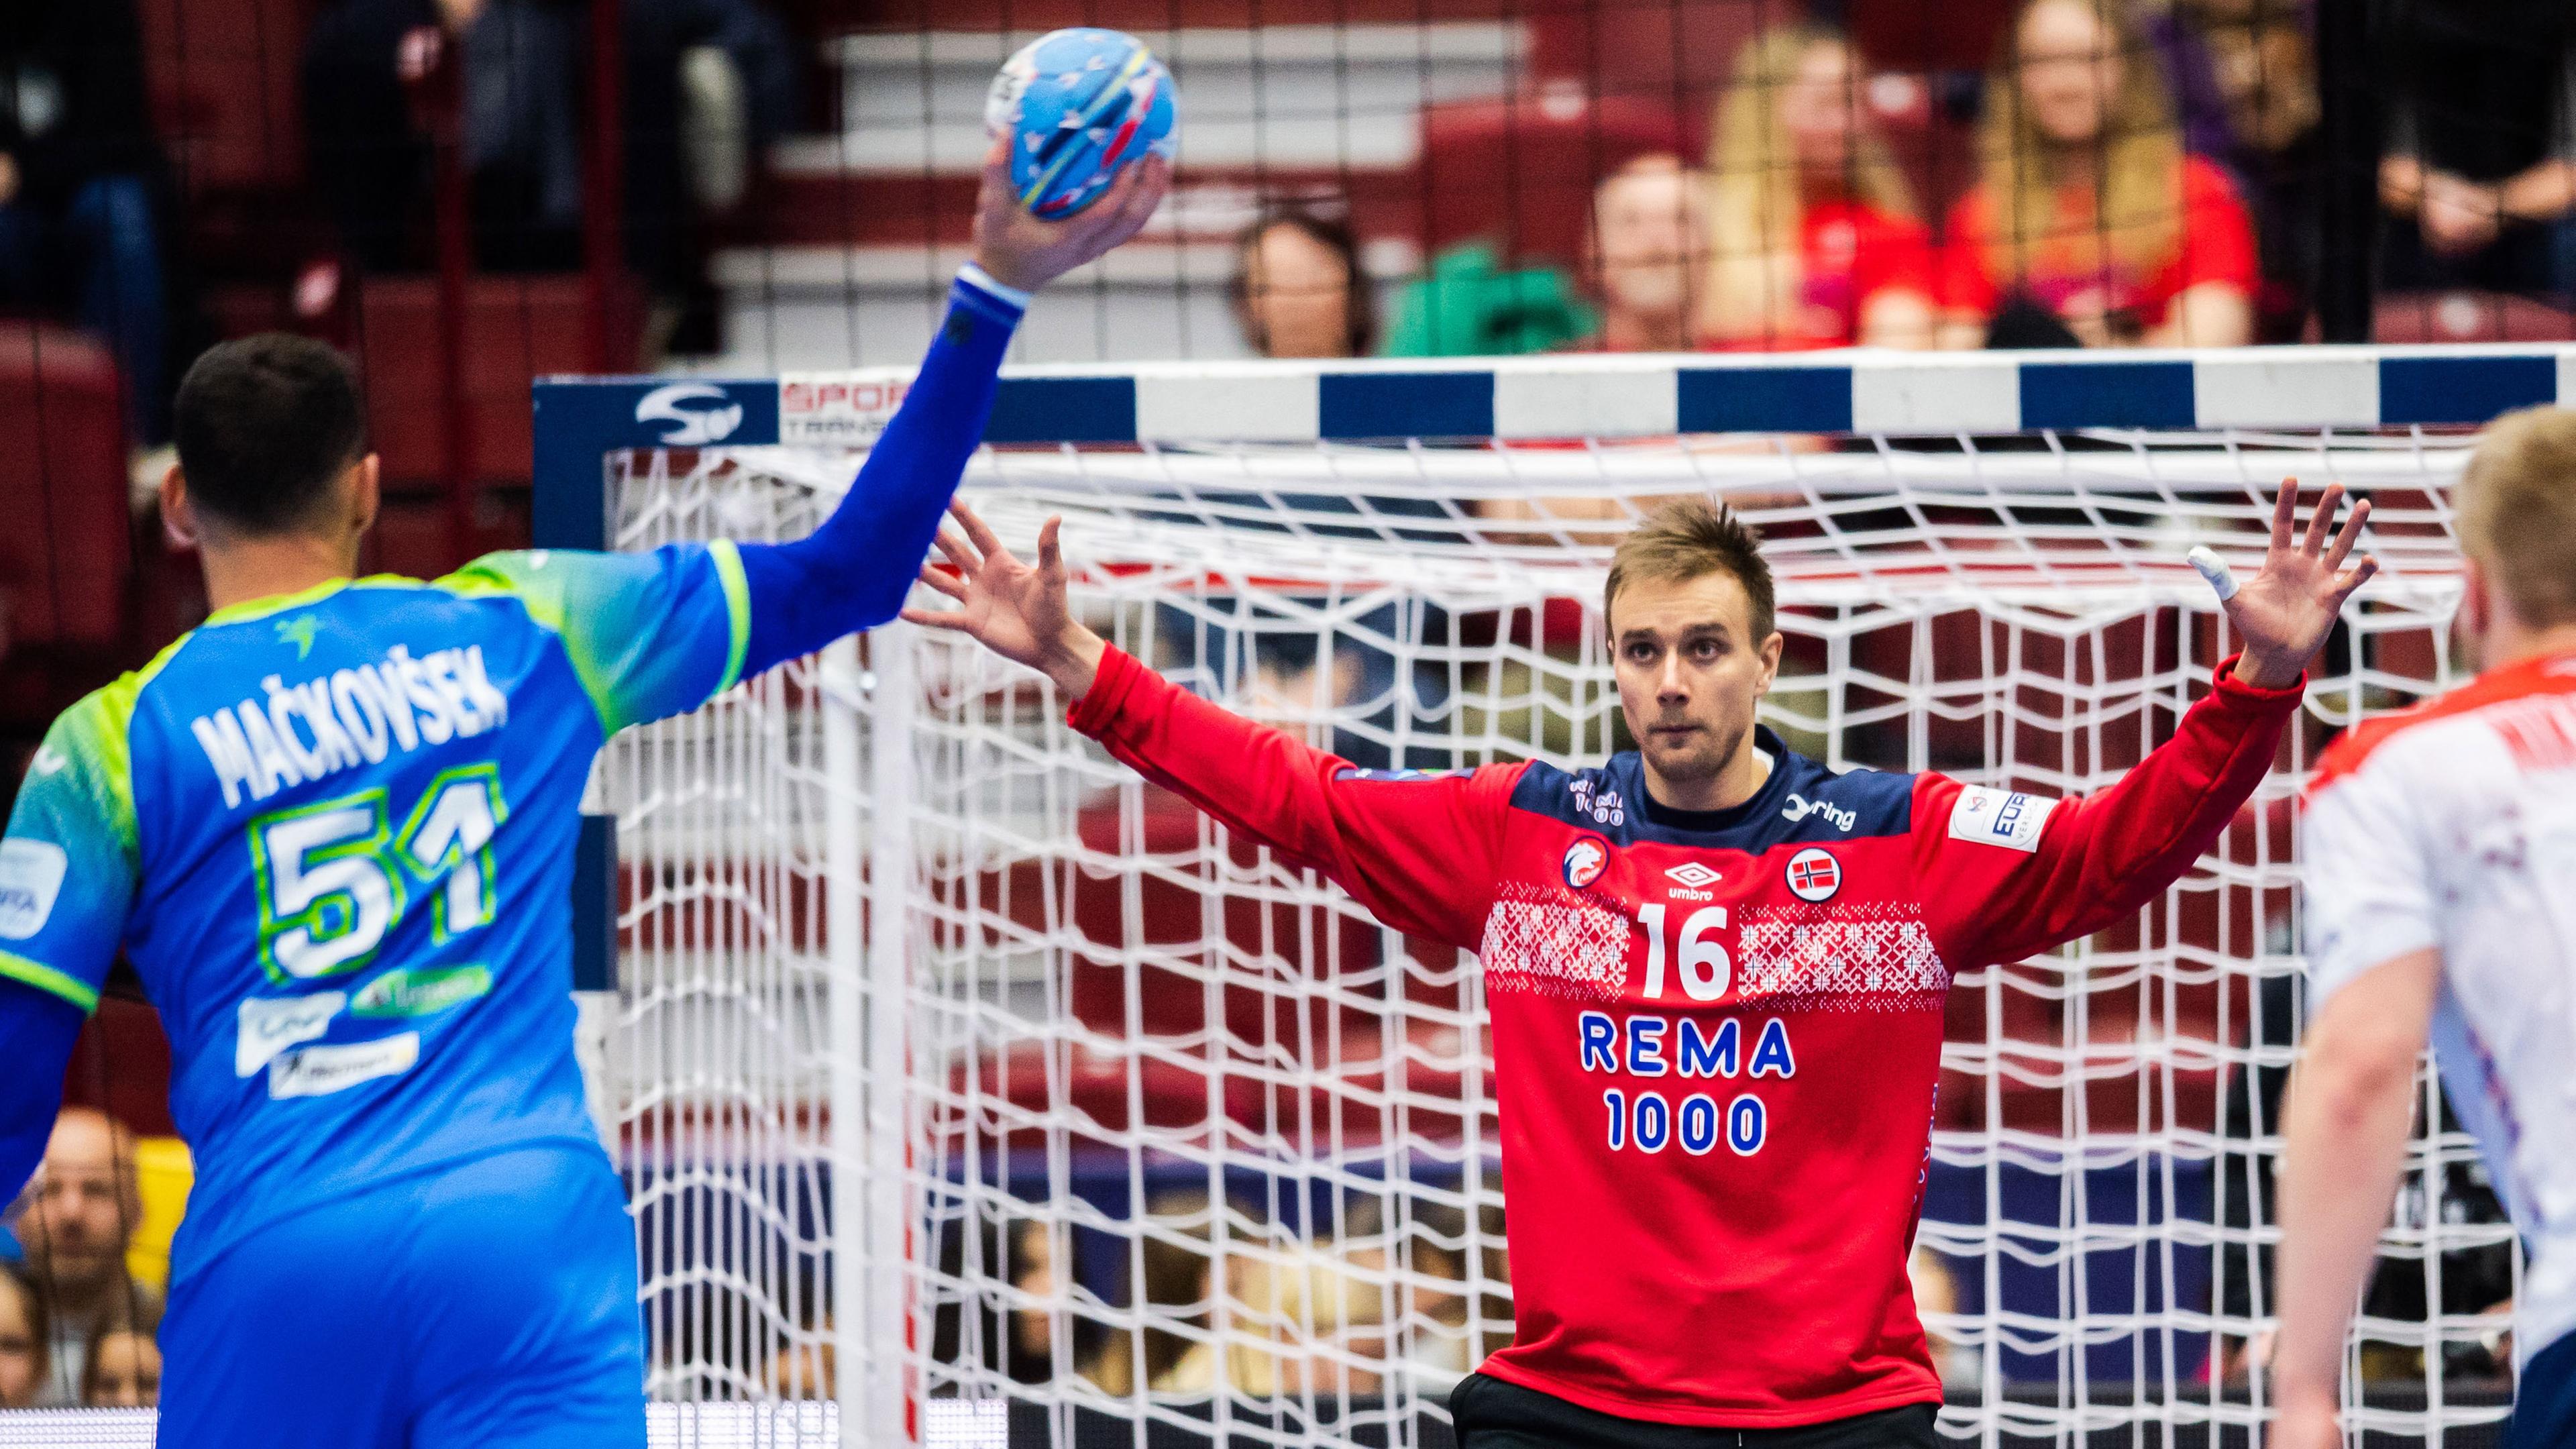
[{"x": 2441, "y": 892}]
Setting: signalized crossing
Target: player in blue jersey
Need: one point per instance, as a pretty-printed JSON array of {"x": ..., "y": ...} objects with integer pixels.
[{"x": 333, "y": 830}]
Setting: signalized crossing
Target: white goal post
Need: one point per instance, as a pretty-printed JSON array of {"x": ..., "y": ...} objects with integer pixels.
[{"x": 963, "y": 1078}]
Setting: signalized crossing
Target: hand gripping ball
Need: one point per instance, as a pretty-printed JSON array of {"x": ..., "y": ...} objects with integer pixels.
[{"x": 1077, "y": 105}]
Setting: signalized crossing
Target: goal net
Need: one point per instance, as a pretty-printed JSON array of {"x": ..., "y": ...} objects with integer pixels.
[{"x": 966, "y": 1079}]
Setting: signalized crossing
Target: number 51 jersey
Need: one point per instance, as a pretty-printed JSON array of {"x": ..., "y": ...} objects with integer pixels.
[{"x": 334, "y": 831}]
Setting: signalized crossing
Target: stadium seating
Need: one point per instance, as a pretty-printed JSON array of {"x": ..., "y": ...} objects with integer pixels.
[
  {"x": 63, "y": 570},
  {"x": 516, "y": 329},
  {"x": 2464, "y": 315},
  {"x": 222, "y": 77},
  {"x": 1520, "y": 169}
]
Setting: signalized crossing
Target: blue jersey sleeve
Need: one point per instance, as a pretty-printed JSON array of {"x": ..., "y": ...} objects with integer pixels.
[
  {"x": 69, "y": 866},
  {"x": 854, "y": 571},
  {"x": 650, "y": 634}
]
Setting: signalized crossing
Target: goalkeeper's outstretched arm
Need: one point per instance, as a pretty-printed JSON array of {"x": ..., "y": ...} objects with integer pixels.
[
  {"x": 1419, "y": 851},
  {"x": 2073, "y": 867},
  {"x": 853, "y": 572}
]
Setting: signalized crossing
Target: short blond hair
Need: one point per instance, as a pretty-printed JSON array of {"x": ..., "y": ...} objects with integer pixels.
[
  {"x": 1690, "y": 538},
  {"x": 2517, "y": 512}
]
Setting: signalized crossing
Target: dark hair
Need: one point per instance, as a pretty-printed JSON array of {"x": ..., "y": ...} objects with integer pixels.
[
  {"x": 1359, "y": 306},
  {"x": 108, "y": 1328},
  {"x": 265, "y": 424},
  {"x": 1689, "y": 538},
  {"x": 31, "y": 1302}
]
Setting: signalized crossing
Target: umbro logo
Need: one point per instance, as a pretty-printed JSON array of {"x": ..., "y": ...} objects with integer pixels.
[{"x": 1690, "y": 881}]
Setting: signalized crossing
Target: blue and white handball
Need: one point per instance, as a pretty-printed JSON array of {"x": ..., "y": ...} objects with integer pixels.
[{"x": 1079, "y": 104}]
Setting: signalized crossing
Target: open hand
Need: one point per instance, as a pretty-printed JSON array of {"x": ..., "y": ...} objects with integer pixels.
[
  {"x": 1018, "y": 250},
  {"x": 1011, "y": 607},
  {"x": 2285, "y": 612}
]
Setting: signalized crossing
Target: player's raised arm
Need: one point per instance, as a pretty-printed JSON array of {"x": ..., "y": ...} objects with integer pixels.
[
  {"x": 2022, "y": 874},
  {"x": 1418, "y": 850},
  {"x": 853, "y": 572},
  {"x": 660, "y": 633}
]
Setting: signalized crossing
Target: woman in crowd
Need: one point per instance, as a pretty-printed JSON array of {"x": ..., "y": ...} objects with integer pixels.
[
  {"x": 24, "y": 1336},
  {"x": 1299, "y": 289},
  {"x": 2090, "y": 225},
  {"x": 1816, "y": 239}
]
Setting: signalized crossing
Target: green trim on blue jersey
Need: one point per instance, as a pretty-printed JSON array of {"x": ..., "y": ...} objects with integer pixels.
[
  {"x": 737, "y": 592},
  {"x": 267, "y": 604},
  {"x": 641, "y": 630},
  {"x": 99, "y": 728},
  {"x": 48, "y": 980},
  {"x": 482, "y": 579}
]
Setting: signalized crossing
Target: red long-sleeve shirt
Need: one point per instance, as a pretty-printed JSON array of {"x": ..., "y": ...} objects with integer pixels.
[{"x": 1716, "y": 1034}]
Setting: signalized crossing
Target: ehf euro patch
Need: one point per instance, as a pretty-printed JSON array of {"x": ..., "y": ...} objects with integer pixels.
[
  {"x": 2000, "y": 817},
  {"x": 1813, "y": 874},
  {"x": 1584, "y": 861}
]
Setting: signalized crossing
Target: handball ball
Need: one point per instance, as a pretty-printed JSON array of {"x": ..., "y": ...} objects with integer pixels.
[{"x": 1077, "y": 105}]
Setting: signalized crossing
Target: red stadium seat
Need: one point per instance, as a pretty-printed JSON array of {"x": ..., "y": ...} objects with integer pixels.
[
  {"x": 2463, "y": 315},
  {"x": 517, "y": 329},
  {"x": 1520, "y": 170},
  {"x": 1094, "y": 1085},
  {"x": 1258, "y": 1005},
  {"x": 1677, "y": 51},
  {"x": 64, "y": 567},
  {"x": 1909, "y": 35},
  {"x": 1936, "y": 150},
  {"x": 224, "y": 91}
]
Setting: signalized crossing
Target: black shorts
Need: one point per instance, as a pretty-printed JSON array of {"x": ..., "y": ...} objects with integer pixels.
[{"x": 1494, "y": 1414}]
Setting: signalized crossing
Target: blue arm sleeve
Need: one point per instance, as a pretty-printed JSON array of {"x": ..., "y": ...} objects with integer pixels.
[
  {"x": 37, "y": 1030},
  {"x": 854, "y": 571}
]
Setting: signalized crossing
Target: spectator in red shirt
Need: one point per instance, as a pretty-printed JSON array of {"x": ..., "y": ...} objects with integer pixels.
[
  {"x": 2089, "y": 212},
  {"x": 1817, "y": 242}
]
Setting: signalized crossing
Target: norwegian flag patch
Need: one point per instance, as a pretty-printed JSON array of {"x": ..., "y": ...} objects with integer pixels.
[{"x": 1813, "y": 874}]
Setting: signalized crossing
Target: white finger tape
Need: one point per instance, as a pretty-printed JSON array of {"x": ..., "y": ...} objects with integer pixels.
[{"x": 2221, "y": 578}]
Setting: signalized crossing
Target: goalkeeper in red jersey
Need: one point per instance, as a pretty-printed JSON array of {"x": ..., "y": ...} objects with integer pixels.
[{"x": 1715, "y": 969}]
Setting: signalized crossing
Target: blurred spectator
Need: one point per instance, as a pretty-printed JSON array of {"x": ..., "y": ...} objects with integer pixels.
[
  {"x": 2480, "y": 172},
  {"x": 1816, "y": 236},
  {"x": 1649, "y": 255},
  {"x": 707, "y": 83},
  {"x": 802, "y": 1370},
  {"x": 1299, "y": 291},
  {"x": 1468, "y": 305},
  {"x": 1441, "y": 1332},
  {"x": 123, "y": 1372},
  {"x": 1019, "y": 1342},
  {"x": 76, "y": 1232},
  {"x": 1936, "y": 1291},
  {"x": 79, "y": 171},
  {"x": 1283, "y": 1327},
  {"x": 2089, "y": 224},
  {"x": 517, "y": 115},
  {"x": 2256, "y": 57},
  {"x": 25, "y": 1341}
]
